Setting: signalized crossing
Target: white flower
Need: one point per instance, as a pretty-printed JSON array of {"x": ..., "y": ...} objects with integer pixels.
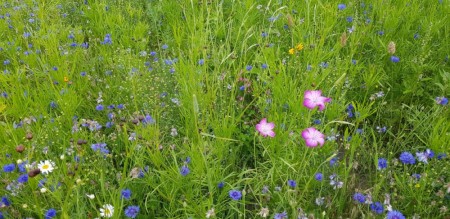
[
  {"x": 43, "y": 190},
  {"x": 107, "y": 211},
  {"x": 264, "y": 212},
  {"x": 90, "y": 196},
  {"x": 46, "y": 166},
  {"x": 210, "y": 213}
]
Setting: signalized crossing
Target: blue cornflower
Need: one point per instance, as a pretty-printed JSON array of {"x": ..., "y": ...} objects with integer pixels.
[
  {"x": 23, "y": 178},
  {"x": 381, "y": 33},
  {"x": 6, "y": 62},
  {"x": 99, "y": 107},
  {"x": 416, "y": 176},
  {"x": 334, "y": 162},
  {"x": 292, "y": 183},
  {"x": 153, "y": 53},
  {"x": 395, "y": 215},
  {"x": 187, "y": 160},
  {"x": 282, "y": 215},
  {"x": 131, "y": 211},
  {"x": 377, "y": 207},
  {"x": 242, "y": 88},
  {"x": 100, "y": 147},
  {"x": 264, "y": 66},
  {"x": 9, "y": 167},
  {"x": 235, "y": 194},
  {"x": 53, "y": 105},
  {"x": 249, "y": 67},
  {"x": 220, "y": 185},
  {"x": 83, "y": 73},
  {"x": 317, "y": 121},
  {"x": 424, "y": 156},
  {"x": 111, "y": 107},
  {"x": 109, "y": 124},
  {"x": 5, "y": 202},
  {"x": 341, "y": 6},
  {"x": 350, "y": 108},
  {"x": 407, "y": 158},
  {"x": 264, "y": 34},
  {"x": 126, "y": 194},
  {"x": 184, "y": 170},
  {"x": 441, "y": 156},
  {"x": 51, "y": 213},
  {"x": 318, "y": 176},
  {"x": 359, "y": 197},
  {"x": 21, "y": 167},
  {"x": 354, "y": 61},
  {"x": 164, "y": 46},
  {"x": 107, "y": 39},
  {"x": 1, "y": 215},
  {"x": 201, "y": 62},
  {"x": 395, "y": 59},
  {"x": 442, "y": 101},
  {"x": 120, "y": 106},
  {"x": 148, "y": 120},
  {"x": 382, "y": 163},
  {"x": 85, "y": 45},
  {"x": 349, "y": 19}
]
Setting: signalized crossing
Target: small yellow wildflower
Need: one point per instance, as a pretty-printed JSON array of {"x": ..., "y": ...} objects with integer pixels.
[
  {"x": 299, "y": 47},
  {"x": 292, "y": 51},
  {"x": 66, "y": 79}
]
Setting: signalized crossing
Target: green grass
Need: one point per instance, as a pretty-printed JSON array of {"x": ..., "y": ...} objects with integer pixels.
[{"x": 182, "y": 71}]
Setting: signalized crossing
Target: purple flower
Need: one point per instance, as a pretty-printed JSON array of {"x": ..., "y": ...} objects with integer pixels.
[
  {"x": 292, "y": 183},
  {"x": 164, "y": 47},
  {"x": 318, "y": 176},
  {"x": 9, "y": 168},
  {"x": 333, "y": 162},
  {"x": 441, "y": 156},
  {"x": 51, "y": 213},
  {"x": 264, "y": 66},
  {"x": 249, "y": 67},
  {"x": 442, "y": 100},
  {"x": 5, "y": 202},
  {"x": 341, "y": 6},
  {"x": 407, "y": 158},
  {"x": 424, "y": 156},
  {"x": 23, "y": 178},
  {"x": 100, "y": 147},
  {"x": 99, "y": 107},
  {"x": 126, "y": 194},
  {"x": 395, "y": 59},
  {"x": 184, "y": 170},
  {"x": 416, "y": 176},
  {"x": 201, "y": 62},
  {"x": 235, "y": 194},
  {"x": 382, "y": 163},
  {"x": 394, "y": 215},
  {"x": 377, "y": 207},
  {"x": 220, "y": 185},
  {"x": 107, "y": 39},
  {"x": 359, "y": 197},
  {"x": 282, "y": 215},
  {"x": 131, "y": 211}
]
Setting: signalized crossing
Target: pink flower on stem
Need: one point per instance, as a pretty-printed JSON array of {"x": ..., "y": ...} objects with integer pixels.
[
  {"x": 313, "y": 137},
  {"x": 314, "y": 98},
  {"x": 265, "y": 129}
]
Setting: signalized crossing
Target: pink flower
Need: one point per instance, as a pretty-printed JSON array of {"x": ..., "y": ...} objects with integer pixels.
[
  {"x": 314, "y": 98},
  {"x": 313, "y": 137},
  {"x": 266, "y": 129}
]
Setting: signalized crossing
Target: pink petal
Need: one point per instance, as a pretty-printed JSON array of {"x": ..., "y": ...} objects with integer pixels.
[
  {"x": 306, "y": 134},
  {"x": 311, "y": 142},
  {"x": 271, "y": 134},
  {"x": 308, "y": 103},
  {"x": 270, "y": 125},
  {"x": 321, "y": 141},
  {"x": 308, "y": 94}
]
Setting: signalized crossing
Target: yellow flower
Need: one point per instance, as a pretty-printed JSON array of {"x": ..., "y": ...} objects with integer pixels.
[
  {"x": 299, "y": 47},
  {"x": 292, "y": 51},
  {"x": 66, "y": 79}
]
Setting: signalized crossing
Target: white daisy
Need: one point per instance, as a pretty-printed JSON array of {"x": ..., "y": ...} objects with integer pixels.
[
  {"x": 46, "y": 166},
  {"x": 107, "y": 211}
]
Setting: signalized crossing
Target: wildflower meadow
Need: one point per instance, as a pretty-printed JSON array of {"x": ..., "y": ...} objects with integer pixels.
[{"x": 224, "y": 109}]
